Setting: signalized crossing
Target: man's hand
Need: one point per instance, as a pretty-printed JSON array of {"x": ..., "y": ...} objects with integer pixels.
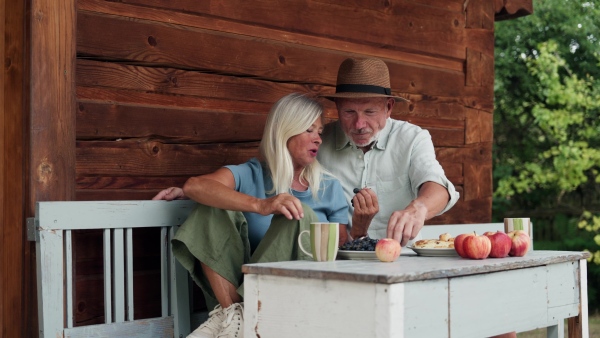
[
  {"x": 366, "y": 206},
  {"x": 405, "y": 225},
  {"x": 169, "y": 194},
  {"x": 285, "y": 204}
]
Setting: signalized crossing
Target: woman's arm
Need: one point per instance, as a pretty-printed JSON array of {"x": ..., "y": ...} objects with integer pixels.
[{"x": 218, "y": 190}]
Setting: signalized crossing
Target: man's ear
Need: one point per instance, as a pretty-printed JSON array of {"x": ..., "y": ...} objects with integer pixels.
[{"x": 390, "y": 105}]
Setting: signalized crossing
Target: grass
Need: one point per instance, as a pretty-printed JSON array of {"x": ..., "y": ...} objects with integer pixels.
[{"x": 593, "y": 323}]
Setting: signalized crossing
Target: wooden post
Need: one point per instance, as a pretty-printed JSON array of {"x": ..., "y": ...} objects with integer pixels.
[
  {"x": 14, "y": 294},
  {"x": 51, "y": 127}
]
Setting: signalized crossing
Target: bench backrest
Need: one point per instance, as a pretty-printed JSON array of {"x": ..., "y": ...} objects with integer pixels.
[{"x": 51, "y": 229}]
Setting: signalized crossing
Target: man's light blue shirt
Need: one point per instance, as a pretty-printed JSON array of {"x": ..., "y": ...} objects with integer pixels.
[{"x": 400, "y": 161}]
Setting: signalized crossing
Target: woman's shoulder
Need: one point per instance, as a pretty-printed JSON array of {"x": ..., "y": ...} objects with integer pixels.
[{"x": 328, "y": 181}]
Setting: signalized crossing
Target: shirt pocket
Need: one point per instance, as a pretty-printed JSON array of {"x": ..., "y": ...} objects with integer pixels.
[{"x": 393, "y": 184}]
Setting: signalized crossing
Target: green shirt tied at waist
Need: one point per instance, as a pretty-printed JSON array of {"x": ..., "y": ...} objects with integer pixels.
[{"x": 400, "y": 161}]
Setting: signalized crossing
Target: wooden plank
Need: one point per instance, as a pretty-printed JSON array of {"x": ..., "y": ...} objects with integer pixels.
[
  {"x": 97, "y": 121},
  {"x": 478, "y": 181},
  {"x": 155, "y": 327},
  {"x": 117, "y": 195},
  {"x": 180, "y": 302},
  {"x": 530, "y": 298},
  {"x": 4, "y": 145},
  {"x": 479, "y": 126},
  {"x": 577, "y": 326},
  {"x": 452, "y": 5},
  {"x": 318, "y": 24},
  {"x": 68, "y": 270},
  {"x": 473, "y": 211},
  {"x": 409, "y": 268},
  {"x": 475, "y": 153},
  {"x": 454, "y": 172},
  {"x": 128, "y": 182},
  {"x": 151, "y": 158},
  {"x": 262, "y": 58},
  {"x": 182, "y": 82},
  {"x": 51, "y": 302},
  {"x": 563, "y": 291},
  {"x": 52, "y": 169},
  {"x": 18, "y": 303},
  {"x": 474, "y": 70},
  {"x": 118, "y": 267},
  {"x": 108, "y": 289},
  {"x": 113, "y": 214}
]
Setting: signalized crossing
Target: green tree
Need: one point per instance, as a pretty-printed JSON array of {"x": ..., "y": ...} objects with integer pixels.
[
  {"x": 546, "y": 126},
  {"x": 547, "y": 122}
]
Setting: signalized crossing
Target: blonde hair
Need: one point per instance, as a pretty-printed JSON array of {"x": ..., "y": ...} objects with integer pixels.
[{"x": 291, "y": 115}]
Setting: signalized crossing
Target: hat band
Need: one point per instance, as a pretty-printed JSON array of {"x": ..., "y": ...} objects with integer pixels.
[{"x": 358, "y": 88}]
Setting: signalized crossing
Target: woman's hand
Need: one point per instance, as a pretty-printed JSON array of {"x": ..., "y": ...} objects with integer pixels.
[
  {"x": 284, "y": 204},
  {"x": 169, "y": 194}
]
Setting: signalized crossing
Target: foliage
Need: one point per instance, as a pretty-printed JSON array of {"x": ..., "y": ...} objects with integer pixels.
[
  {"x": 547, "y": 122},
  {"x": 547, "y": 125}
]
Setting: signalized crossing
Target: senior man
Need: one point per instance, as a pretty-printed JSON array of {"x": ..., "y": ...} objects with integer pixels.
[{"x": 392, "y": 162}]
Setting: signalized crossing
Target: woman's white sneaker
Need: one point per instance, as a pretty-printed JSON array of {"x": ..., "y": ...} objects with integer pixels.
[
  {"x": 212, "y": 326},
  {"x": 233, "y": 325}
]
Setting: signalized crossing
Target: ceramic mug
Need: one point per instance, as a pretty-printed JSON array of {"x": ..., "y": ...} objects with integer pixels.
[{"x": 324, "y": 238}]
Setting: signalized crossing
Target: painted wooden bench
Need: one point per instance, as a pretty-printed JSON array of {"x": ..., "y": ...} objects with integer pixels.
[{"x": 52, "y": 231}]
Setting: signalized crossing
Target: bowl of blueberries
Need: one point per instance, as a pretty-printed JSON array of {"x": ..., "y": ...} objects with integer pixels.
[{"x": 362, "y": 248}]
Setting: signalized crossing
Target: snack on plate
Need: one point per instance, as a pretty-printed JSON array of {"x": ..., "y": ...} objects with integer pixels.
[{"x": 445, "y": 241}]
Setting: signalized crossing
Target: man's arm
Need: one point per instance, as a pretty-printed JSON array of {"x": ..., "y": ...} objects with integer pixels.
[{"x": 404, "y": 225}]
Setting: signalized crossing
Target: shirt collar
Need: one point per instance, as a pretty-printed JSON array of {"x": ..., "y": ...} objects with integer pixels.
[{"x": 342, "y": 141}]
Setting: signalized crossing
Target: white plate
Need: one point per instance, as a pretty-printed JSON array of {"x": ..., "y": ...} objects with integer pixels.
[
  {"x": 357, "y": 255},
  {"x": 431, "y": 252}
]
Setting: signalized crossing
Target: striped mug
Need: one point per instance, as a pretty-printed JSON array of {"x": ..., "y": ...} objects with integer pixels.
[{"x": 324, "y": 238}]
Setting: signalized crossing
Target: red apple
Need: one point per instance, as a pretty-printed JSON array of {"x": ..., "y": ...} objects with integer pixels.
[
  {"x": 501, "y": 243},
  {"x": 458, "y": 244},
  {"x": 477, "y": 247},
  {"x": 520, "y": 243},
  {"x": 387, "y": 249}
]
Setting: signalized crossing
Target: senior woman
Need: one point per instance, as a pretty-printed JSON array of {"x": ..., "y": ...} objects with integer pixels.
[{"x": 254, "y": 212}]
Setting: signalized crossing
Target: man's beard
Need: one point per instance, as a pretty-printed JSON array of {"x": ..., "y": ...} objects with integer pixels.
[{"x": 364, "y": 144}]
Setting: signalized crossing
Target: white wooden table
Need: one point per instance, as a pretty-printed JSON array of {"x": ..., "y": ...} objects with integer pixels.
[{"x": 417, "y": 297}]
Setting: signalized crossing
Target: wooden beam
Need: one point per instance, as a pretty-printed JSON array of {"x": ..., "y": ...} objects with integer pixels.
[
  {"x": 52, "y": 101},
  {"x": 50, "y": 169},
  {"x": 17, "y": 303}
]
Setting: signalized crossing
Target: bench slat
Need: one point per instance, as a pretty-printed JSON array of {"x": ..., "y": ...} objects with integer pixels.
[
  {"x": 129, "y": 271},
  {"x": 119, "y": 276},
  {"x": 164, "y": 271},
  {"x": 107, "y": 276},
  {"x": 49, "y": 253},
  {"x": 112, "y": 214},
  {"x": 155, "y": 328},
  {"x": 69, "y": 276}
]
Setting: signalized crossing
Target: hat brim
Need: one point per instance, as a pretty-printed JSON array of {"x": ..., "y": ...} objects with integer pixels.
[{"x": 352, "y": 95}]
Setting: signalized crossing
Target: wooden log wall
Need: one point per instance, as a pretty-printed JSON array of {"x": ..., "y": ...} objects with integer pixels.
[{"x": 170, "y": 89}]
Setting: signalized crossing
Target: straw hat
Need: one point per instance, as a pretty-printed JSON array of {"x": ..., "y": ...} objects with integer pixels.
[{"x": 363, "y": 78}]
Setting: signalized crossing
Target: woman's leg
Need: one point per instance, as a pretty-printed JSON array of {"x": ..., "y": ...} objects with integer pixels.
[
  {"x": 224, "y": 291},
  {"x": 217, "y": 239}
]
